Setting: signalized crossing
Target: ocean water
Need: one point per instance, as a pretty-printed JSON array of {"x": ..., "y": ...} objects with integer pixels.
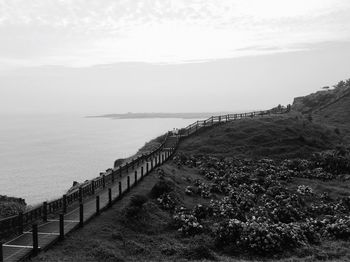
[{"x": 41, "y": 156}]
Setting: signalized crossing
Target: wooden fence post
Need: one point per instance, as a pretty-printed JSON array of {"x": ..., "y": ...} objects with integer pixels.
[
  {"x": 35, "y": 239},
  {"x": 1, "y": 253},
  {"x": 64, "y": 199},
  {"x": 93, "y": 187},
  {"x": 141, "y": 172},
  {"x": 61, "y": 226},
  {"x": 81, "y": 215},
  {"x": 120, "y": 171},
  {"x": 20, "y": 223},
  {"x": 97, "y": 205},
  {"x": 128, "y": 188},
  {"x": 45, "y": 211},
  {"x": 127, "y": 167},
  {"x": 120, "y": 189},
  {"x": 151, "y": 163},
  {"x": 147, "y": 168},
  {"x": 80, "y": 194},
  {"x": 110, "y": 196},
  {"x": 104, "y": 181},
  {"x": 113, "y": 178},
  {"x": 135, "y": 177}
]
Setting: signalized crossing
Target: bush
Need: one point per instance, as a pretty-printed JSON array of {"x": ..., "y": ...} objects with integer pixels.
[
  {"x": 161, "y": 187},
  {"x": 340, "y": 229},
  {"x": 336, "y": 162},
  {"x": 258, "y": 213},
  {"x": 10, "y": 206},
  {"x": 259, "y": 238},
  {"x": 167, "y": 201},
  {"x": 10, "y": 209},
  {"x": 135, "y": 205},
  {"x": 187, "y": 223}
]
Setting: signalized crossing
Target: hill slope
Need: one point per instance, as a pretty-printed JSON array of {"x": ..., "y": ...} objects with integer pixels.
[
  {"x": 276, "y": 137},
  {"x": 331, "y": 107}
]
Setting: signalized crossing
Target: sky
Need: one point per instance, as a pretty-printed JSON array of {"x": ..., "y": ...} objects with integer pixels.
[{"x": 114, "y": 56}]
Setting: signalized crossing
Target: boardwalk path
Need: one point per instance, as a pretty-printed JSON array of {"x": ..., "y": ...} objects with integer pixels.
[
  {"x": 57, "y": 225},
  {"x": 49, "y": 231}
]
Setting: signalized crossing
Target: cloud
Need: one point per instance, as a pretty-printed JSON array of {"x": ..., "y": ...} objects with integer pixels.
[{"x": 85, "y": 33}]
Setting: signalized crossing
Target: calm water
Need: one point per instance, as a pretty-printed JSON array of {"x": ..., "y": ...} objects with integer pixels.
[{"x": 40, "y": 156}]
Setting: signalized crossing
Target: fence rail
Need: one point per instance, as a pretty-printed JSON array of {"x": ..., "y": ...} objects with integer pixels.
[
  {"x": 194, "y": 127},
  {"x": 15, "y": 224}
]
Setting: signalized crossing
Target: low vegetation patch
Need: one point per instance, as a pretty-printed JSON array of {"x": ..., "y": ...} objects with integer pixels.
[{"x": 260, "y": 212}]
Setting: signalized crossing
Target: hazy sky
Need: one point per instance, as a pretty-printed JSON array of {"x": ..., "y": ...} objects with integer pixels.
[{"x": 93, "y": 56}]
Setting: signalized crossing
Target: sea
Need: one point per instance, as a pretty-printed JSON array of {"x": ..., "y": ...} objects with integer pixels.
[{"x": 41, "y": 155}]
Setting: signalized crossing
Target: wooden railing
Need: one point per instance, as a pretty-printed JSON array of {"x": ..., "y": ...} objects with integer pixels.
[
  {"x": 15, "y": 224},
  {"x": 213, "y": 120}
]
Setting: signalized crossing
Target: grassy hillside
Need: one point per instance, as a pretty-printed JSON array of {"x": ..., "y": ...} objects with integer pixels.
[
  {"x": 337, "y": 115},
  {"x": 330, "y": 107},
  {"x": 221, "y": 199},
  {"x": 142, "y": 227},
  {"x": 275, "y": 137}
]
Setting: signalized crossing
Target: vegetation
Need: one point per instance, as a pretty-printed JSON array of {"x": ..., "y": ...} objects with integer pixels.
[
  {"x": 256, "y": 209},
  {"x": 275, "y": 137},
  {"x": 292, "y": 210},
  {"x": 270, "y": 188},
  {"x": 330, "y": 107},
  {"x": 10, "y": 206}
]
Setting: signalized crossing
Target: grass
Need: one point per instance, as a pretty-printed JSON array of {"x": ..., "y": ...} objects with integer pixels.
[
  {"x": 275, "y": 137},
  {"x": 330, "y": 107},
  {"x": 337, "y": 115},
  {"x": 148, "y": 236},
  {"x": 116, "y": 236}
]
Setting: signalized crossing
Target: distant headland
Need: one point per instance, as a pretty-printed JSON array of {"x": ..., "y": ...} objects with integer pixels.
[{"x": 131, "y": 115}]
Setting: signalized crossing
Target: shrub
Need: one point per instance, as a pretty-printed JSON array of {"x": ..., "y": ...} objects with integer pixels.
[
  {"x": 260, "y": 238},
  {"x": 135, "y": 205},
  {"x": 340, "y": 229},
  {"x": 167, "y": 201},
  {"x": 161, "y": 187},
  {"x": 187, "y": 223},
  {"x": 10, "y": 209},
  {"x": 305, "y": 190}
]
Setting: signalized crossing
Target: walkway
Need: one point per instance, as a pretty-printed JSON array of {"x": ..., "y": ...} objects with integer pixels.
[
  {"x": 58, "y": 225},
  {"x": 49, "y": 231}
]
